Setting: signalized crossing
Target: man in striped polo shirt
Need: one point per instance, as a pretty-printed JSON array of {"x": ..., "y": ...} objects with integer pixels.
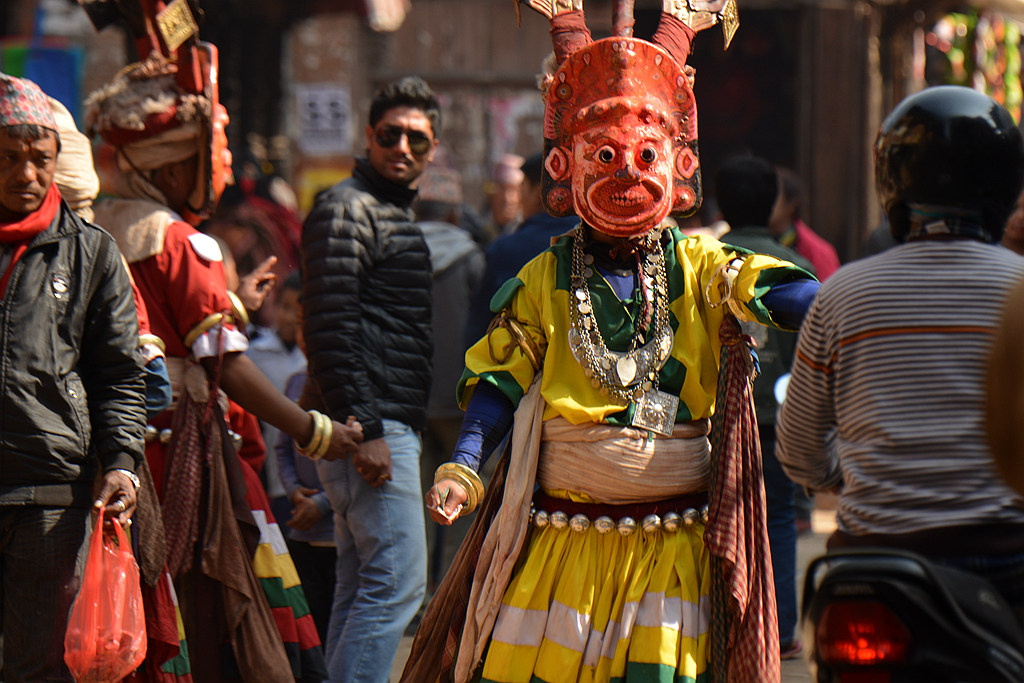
[{"x": 885, "y": 405}]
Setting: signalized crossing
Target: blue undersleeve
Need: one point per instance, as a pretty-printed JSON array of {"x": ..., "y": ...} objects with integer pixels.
[
  {"x": 788, "y": 302},
  {"x": 488, "y": 418},
  {"x": 158, "y": 387}
]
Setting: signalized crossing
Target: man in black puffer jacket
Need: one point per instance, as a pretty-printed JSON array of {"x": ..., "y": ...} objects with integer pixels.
[
  {"x": 367, "y": 325},
  {"x": 72, "y": 407}
]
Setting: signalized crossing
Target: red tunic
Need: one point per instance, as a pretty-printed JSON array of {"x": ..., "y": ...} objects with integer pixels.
[{"x": 181, "y": 288}]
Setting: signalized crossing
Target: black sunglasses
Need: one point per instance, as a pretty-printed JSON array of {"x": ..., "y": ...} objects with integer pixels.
[{"x": 419, "y": 142}]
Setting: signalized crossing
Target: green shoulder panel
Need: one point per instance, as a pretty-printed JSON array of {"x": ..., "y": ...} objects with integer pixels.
[
  {"x": 501, "y": 380},
  {"x": 562, "y": 251},
  {"x": 503, "y": 297}
]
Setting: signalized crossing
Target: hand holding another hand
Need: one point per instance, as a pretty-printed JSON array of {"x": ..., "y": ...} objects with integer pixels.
[{"x": 345, "y": 439}]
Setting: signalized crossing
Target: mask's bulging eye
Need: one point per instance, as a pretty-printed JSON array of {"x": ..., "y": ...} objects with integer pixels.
[
  {"x": 606, "y": 155},
  {"x": 648, "y": 155}
]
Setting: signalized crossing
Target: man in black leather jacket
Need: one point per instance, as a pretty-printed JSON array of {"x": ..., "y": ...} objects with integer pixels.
[
  {"x": 72, "y": 395},
  {"x": 367, "y": 325}
]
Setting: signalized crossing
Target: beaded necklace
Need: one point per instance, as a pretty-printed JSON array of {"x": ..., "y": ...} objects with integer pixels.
[{"x": 630, "y": 376}]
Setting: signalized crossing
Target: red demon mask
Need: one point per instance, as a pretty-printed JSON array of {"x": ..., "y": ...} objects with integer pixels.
[{"x": 620, "y": 138}]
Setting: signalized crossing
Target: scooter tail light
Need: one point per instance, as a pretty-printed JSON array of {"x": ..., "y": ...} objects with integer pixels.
[{"x": 861, "y": 633}]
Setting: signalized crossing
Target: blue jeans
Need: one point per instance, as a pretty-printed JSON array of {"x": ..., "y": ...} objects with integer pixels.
[
  {"x": 781, "y": 514},
  {"x": 42, "y": 555},
  {"x": 382, "y": 560}
]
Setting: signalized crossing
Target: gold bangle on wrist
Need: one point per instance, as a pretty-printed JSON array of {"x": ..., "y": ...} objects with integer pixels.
[
  {"x": 316, "y": 439},
  {"x": 465, "y": 477},
  {"x": 328, "y": 432}
]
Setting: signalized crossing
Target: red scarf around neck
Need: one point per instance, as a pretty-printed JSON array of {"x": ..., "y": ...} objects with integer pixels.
[{"x": 19, "y": 233}]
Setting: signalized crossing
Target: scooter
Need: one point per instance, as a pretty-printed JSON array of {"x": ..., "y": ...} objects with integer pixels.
[{"x": 888, "y": 616}]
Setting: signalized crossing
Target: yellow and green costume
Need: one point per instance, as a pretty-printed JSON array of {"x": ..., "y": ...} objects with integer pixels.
[
  {"x": 538, "y": 299},
  {"x": 606, "y": 606}
]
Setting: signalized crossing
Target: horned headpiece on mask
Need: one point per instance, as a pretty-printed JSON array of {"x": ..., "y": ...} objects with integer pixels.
[
  {"x": 165, "y": 108},
  {"x": 620, "y": 120}
]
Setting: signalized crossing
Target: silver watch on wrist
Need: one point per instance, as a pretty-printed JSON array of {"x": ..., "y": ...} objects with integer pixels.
[{"x": 131, "y": 475}]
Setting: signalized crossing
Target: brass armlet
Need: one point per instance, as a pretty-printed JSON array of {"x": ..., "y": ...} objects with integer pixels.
[
  {"x": 205, "y": 326},
  {"x": 154, "y": 340},
  {"x": 724, "y": 279},
  {"x": 238, "y": 309},
  {"x": 465, "y": 477},
  {"x": 519, "y": 336}
]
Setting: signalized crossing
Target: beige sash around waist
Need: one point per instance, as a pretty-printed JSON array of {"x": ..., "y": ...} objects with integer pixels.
[
  {"x": 620, "y": 465},
  {"x": 191, "y": 376}
]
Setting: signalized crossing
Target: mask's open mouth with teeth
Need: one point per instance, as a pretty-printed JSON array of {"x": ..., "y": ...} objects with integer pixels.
[{"x": 625, "y": 203}]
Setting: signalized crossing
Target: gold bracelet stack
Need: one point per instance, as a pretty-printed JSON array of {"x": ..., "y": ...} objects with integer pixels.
[
  {"x": 323, "y": 431},
  {"x": 465, "y": 477}
]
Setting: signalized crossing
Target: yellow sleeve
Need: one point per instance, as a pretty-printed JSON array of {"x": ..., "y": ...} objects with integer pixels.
[{"x": 512, "y": 351}]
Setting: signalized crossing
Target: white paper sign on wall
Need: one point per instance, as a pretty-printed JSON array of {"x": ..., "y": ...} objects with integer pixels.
[{"x": 325, "y": 118}]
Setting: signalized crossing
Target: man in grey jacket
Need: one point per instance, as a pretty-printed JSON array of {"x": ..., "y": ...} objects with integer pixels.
[
  {"x": 366, "y": 296},
  {"x": 71, "y": 389}
]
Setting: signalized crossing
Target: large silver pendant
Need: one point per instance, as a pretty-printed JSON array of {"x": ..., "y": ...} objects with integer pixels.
[{"x": 656, "y": 412}]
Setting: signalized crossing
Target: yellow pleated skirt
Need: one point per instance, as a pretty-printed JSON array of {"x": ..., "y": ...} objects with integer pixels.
[{"x": 604, "y": 607}]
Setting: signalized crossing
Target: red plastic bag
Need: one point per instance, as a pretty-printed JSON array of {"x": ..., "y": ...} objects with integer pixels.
[{"x": 106, "y": 636}]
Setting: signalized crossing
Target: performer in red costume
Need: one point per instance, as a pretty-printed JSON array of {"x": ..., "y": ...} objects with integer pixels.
[
  {"x": 643, "y": 553},
  {"x": 237, "y": 585}
]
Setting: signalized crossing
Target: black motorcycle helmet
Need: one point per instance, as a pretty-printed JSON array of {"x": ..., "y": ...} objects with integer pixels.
[{"x": 949, "y": 146}]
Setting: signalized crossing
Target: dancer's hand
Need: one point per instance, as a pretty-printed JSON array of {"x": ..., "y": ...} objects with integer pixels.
[
  {"x": 445, "y": 501},
  {"x": 256, "y": 285}
]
